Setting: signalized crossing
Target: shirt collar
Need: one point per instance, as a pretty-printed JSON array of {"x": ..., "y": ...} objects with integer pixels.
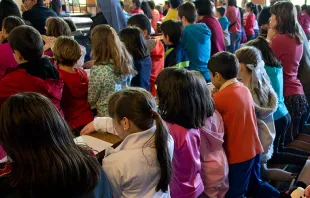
[
  {"x": 134, "y": 141},
  {"x": 228, "y": 82}
]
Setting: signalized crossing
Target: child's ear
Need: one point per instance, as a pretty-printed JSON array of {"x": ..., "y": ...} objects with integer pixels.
[
  {"x": 145, "y": 33},
  {"x": 18, "y": 57}
]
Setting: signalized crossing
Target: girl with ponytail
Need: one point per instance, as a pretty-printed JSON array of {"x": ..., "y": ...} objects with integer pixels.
[
  {"x": 140, "y": 166},
  {"x": 199, "y": 161},
  {"x": 249, "y": 22}
]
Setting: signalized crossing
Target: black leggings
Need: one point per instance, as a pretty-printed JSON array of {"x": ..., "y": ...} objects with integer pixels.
[{"x": 282, "y": 154}]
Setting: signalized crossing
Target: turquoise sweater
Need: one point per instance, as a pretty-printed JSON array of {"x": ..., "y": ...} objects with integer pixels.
[{"x": 276, "y": 79}]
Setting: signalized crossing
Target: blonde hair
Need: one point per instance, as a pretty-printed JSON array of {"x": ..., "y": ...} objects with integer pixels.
[
  {"x": 66, "y": 51},
  {"x": 107, "y": 48},
  {"x": 56, "y": 27}
]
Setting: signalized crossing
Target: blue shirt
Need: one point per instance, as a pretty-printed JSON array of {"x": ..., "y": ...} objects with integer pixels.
[
  {"x": 224, "y": 22},
  {"x": 144, "y": 67},
  {"x": 276, "y": 79},
  {"x": 197, "y": 44}
]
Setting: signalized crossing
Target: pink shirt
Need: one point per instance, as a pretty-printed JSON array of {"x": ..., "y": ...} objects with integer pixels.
[
  {"x": 249, "y": 24},
  {"x": 186, "y": 182},
  {"x": 6, "y": 58},
  {"x": 233, "y": 15},
  {"x": 289, "y": 52}
]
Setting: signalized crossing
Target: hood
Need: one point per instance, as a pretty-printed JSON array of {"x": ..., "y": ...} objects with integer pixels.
[
  {"x": 212, "y": 133},
  {"x": 263, "y": 112},
  {"x": 201, "y": 32},
  {"x": 41, "y": 68}
]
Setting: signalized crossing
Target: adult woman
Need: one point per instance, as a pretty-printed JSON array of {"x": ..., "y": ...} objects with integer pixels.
[
  {"x": 233, "y": 15},
  {"x": 8, "y": 8},
  {"x": 286, "y": 42},
  {"x": 45, "y": 160}
]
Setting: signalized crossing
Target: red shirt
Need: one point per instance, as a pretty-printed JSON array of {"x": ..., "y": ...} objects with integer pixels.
[
  {"x": 74, "y": 102},
  {"x": 6, "y": 58},
  {"x": 217, "y": 36},
  {"x": 249, "y": 24},
  {"x": 235, "y": 104},
  {"x": 137, "y": 11},
  {"x": 289, "y": 52},
  {"x": 158, "y": 63},
  {"x": 155, "y": 19}
]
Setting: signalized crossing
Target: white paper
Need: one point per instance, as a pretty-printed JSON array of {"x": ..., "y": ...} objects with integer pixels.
[{"x": 94, "y": 143}]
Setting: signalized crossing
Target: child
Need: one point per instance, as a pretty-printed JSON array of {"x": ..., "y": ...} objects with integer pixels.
[
  {"x": 254, "y": 76},
  {"x": 136, "y": 7},
  {"x": 241, "y": 143},
  {"x": 186, "y": 109},
  {"x": 220, "y": 14},
  {"x": 112, "y": 70},
  {"x": 34, "y": 73},
  {"x": 196, "y": 40},
  {"x": 175, "y": 56},
  {"x": 156, "y": 48},
  {"x": 6, "y": 56},
  {"x": 74, "y": 97},
  {"x": 36, "y": 137},
  {"x": 206, "y": 16},
  {"x": 141, "y": 165},
  {"x": 56, "y": 27},
  {"x": 282, "y": 119},
  {"x": 249, "y": 22},
  {"x": 134, "y": 41}
]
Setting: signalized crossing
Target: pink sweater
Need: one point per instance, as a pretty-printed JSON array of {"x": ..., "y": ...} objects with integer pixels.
[
  {"x": 214, "y": 165},
  {"x": 233, "y": 15},
  {"x": 289, "y": 52},
  {"x": 6, "y": 58},
  {"x": 186, "y": 182}
]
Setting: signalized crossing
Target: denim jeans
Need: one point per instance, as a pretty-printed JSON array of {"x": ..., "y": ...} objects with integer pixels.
[{"x": 235, "y": 39}]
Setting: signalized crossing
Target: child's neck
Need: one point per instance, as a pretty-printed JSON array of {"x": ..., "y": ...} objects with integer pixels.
[{"x": 67, "y": 68}]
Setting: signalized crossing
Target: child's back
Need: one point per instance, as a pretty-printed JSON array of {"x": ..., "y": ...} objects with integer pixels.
[
  {"x": 144, "y": 67},
  {"x": 241, "y": 141},
  {"x": 197, "y": 44},
  {"x": 74, "y": 99},
  {"x": 176, "y": 56}
]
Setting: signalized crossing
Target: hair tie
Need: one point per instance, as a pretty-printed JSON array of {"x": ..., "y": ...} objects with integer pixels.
[{"x": 258, "y": 73}]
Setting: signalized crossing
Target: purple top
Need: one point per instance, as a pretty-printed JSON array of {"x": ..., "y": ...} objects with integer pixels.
[{"x": 6, "y": 59}]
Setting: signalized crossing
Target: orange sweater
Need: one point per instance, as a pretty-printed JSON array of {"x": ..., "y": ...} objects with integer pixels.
[{"x": 235, "y": 104}]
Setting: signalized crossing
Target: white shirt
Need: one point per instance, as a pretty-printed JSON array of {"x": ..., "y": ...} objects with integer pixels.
[
  {"x": 132, "y": 167},
  {"x": 227, "y": 83}
]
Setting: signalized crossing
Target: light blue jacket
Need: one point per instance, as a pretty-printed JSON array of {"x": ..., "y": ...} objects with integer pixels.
[{"x": 197, "y": 44}]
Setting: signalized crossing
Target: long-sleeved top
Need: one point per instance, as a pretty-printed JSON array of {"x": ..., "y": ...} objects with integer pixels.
[
  {"x": 171, "y": 15},
  {"x": 289, "y": 52},
  {"x": 196, "y": 41},
  {"x": 186, "y": 181},
  {"x": 144, "y": 68},
  {"x": 233, "y": 15},
  {"x": 132, "y": 167},
  {"x": 175, "y": 56},
  {"x": 217, "y": 36},
  {"x": 225, "y": 24},
  {"x": 241, "y": 141},
  {"x": 304, "y": 21},
  {"x": 103, "y": 82},
  {"x": 249, "y": 24},
  {"x": 7, "y": 59}
]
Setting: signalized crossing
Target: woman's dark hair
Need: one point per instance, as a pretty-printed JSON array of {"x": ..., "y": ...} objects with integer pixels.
[
  {"x": 151, "y": 4},
  {"x": 304, "y": 7},
  {"x": 139, "y": 106},
  {"x": 232, "y": 3},
  {"x": 173, "y": 29},
  {"x": 45, "y": 158},
  {"x": 184, "y": 98},
  {"x": 269, "y": 57},
  {"x": 298, "y": 9},
  {"x": 204, "y": 7},
  {"x": 8, "y": 8},
  {"x": 259, "y": 8},
  {"x": 137, "y": 3},
  {"x": 286, "y": 17},
  {"x": 11, "y": 22},
  {"x": 134, "y": 41},
  {"x": 252, "y": 7},
  {"x": 146, "y": 9},
  {"x": 167, "y": 3},
  {"x": 175, "y": 3}
]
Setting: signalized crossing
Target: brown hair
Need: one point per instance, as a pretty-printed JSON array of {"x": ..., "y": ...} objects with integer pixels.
[
  {"x": 56, "y": 27},
  {"x": 286, "y": 17},
  {"x": 66, "y": 51},
  {"x": 107, "y": 47},
  {"x": 188, "y": 10},
  {"x": 139, "y": 106}
]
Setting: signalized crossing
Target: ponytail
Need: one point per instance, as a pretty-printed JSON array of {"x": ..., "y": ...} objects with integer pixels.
[
  {"x": 163, "y": 155},
  {"x": 253, "y": 8}
]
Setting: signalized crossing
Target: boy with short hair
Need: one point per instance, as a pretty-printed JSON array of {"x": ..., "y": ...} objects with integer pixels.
[
  {"x": 175, "y": 56},
  {"x": 241, "y": 142},
  {"x": 220, "y": 14},
  {"x": 155, "y": 47},
  {"x": 34, "y": 73},
  {"x": 196, "y": 39}
]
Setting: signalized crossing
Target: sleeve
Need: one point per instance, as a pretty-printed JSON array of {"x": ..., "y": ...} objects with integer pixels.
[
  {"x": 104, "y": 124},
  {"x": 114, "y": 176},
  {"x": 94, "y": 86}
]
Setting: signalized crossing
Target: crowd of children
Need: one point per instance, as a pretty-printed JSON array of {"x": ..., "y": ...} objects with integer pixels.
[{"x": 178, "y": 138}]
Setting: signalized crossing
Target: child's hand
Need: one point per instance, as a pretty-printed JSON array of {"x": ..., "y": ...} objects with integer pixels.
[
  {"x": 89, "y": 128},
  {"x": 307, "y": 192},
  {"x": 88, "y": 64}
]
